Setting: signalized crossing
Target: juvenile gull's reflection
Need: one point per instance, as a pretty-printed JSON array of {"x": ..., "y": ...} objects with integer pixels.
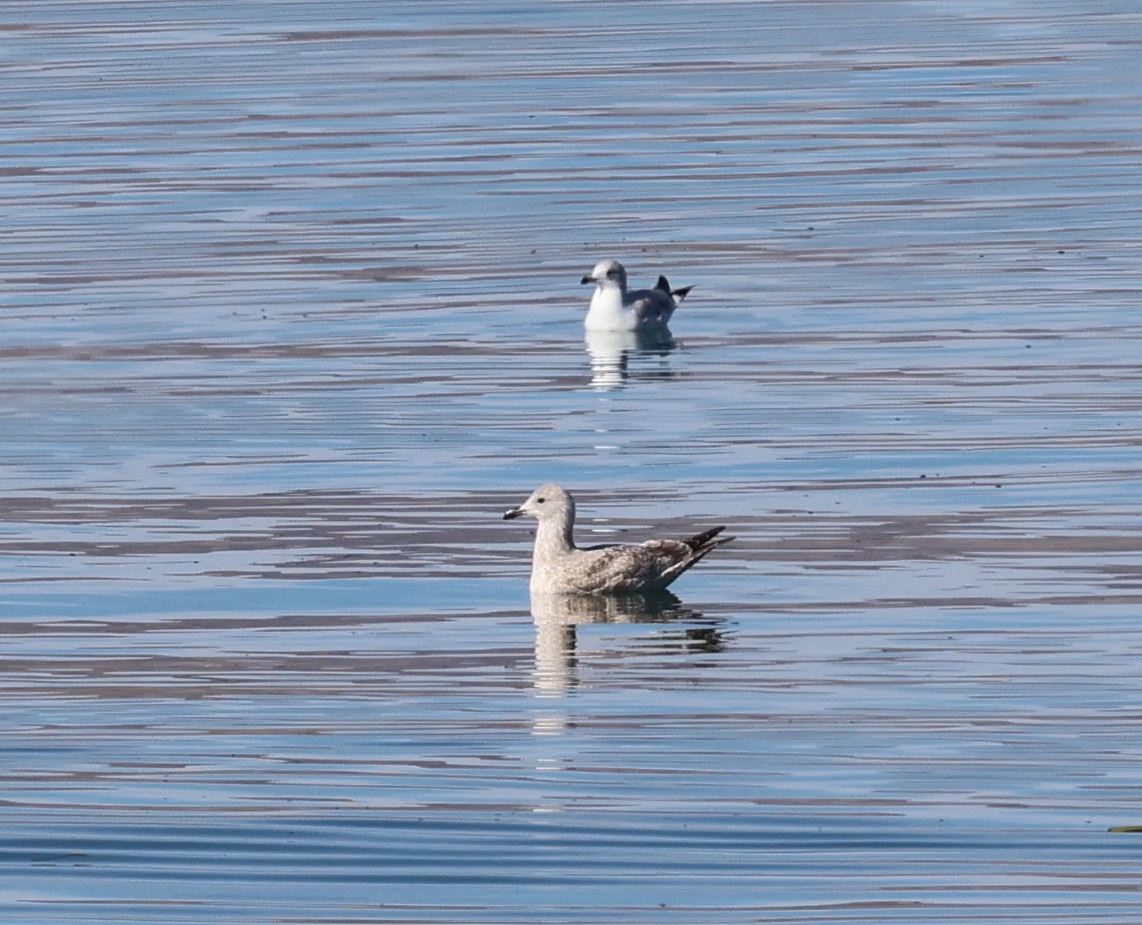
[
  {"x": 557, "y": 617},
  {"x": 611, "y": 352}
]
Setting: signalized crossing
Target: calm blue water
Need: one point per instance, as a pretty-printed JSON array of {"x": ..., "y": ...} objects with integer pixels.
[{"x": 291, "y": 314}]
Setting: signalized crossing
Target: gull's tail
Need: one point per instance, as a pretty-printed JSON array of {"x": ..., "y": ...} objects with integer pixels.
[
  {"x": 702, "y": 543},
  {"x": 688, "y": 552},
  {"x": 676, "y": 294}
]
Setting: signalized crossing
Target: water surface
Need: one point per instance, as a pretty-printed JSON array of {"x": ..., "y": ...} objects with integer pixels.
[{"x": 291, "y": 316}]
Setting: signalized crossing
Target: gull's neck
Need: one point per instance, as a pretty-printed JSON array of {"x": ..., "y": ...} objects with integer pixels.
[
  {"x": 553, "y": 543},
  {"x": 553, "y": 538},
  {"x": 607, "y": 311}
]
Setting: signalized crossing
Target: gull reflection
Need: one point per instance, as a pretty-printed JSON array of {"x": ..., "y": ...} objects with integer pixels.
[
  {"x": 558, "y": 616},
  {"x": 611, "y": 352}
]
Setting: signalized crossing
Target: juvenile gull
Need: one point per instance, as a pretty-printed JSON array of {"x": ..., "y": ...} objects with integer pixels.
[
  {"x": 559, "y": 567},
  {"x": 615, "y": 308}
]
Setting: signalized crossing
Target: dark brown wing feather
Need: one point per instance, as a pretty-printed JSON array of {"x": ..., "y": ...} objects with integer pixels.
[
  {"x": 698, "y": 540},
  {"x": 650, "y": 566}
]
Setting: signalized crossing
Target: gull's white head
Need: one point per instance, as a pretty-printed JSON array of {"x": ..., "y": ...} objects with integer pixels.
[
  {"x": 545, "y": 503},
  {"x": 607, "y": 273}
]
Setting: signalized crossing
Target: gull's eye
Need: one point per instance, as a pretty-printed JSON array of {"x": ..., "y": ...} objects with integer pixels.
[{"x": 541, "y": 500}]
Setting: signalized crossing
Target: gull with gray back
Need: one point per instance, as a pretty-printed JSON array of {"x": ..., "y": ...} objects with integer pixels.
[{"x": 616, "y": 308}]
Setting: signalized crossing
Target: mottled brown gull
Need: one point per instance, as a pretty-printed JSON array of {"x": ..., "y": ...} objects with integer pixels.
[
  {"x": 559, "y": 567},
  {"x": 616, "y": 308}
]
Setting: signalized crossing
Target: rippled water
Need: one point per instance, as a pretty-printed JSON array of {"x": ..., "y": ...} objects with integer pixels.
[{"x": 291, "y": 316}]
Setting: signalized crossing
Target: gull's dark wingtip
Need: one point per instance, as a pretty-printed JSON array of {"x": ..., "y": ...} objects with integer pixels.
[
  {"x": 706, "y": 541},
  {"x": 679, "y": 294}
]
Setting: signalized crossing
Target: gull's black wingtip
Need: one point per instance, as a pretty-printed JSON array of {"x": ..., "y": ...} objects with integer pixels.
[
  {"x": 700, "y": 540},
  {"x": 679, "y": 294}
]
